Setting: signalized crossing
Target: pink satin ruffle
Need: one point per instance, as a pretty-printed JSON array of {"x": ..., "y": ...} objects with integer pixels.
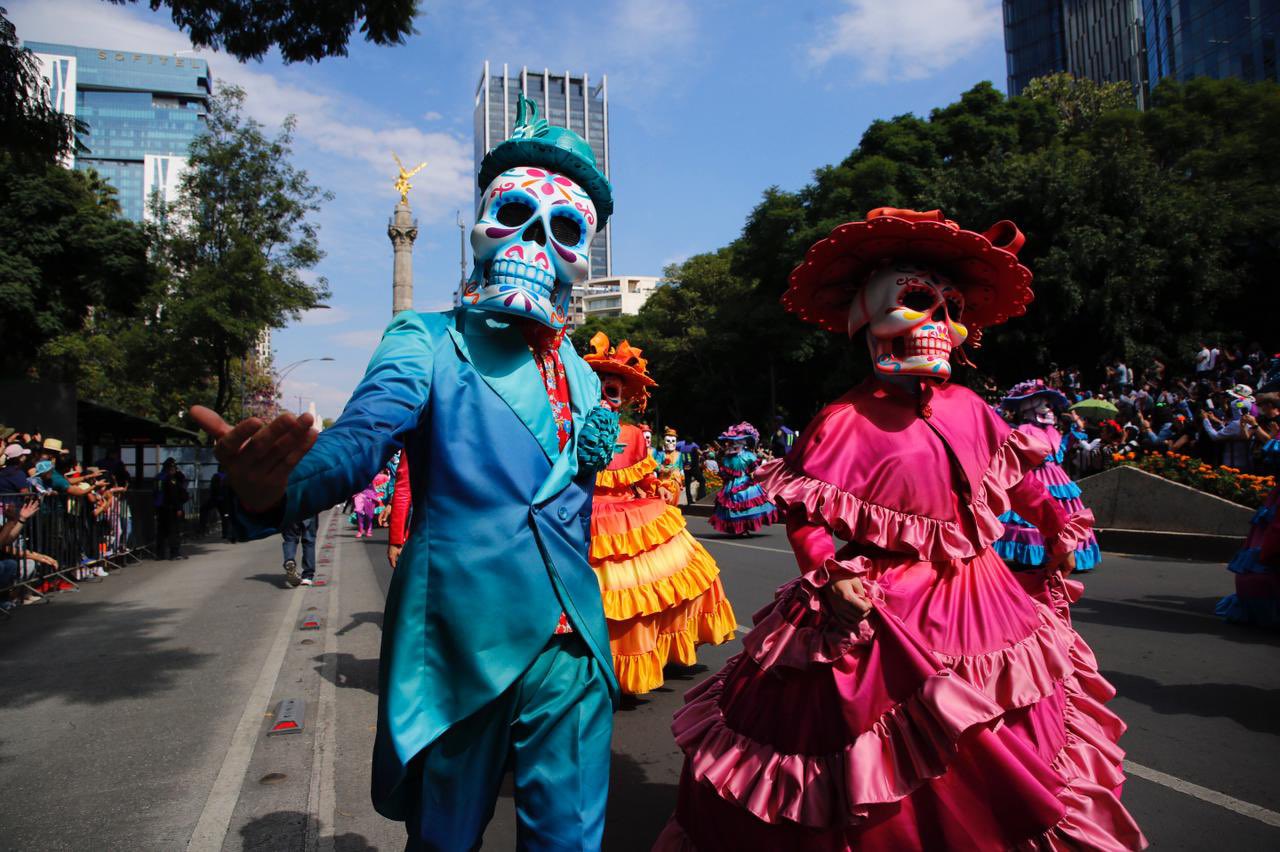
[{"x": 854, "y": 519}]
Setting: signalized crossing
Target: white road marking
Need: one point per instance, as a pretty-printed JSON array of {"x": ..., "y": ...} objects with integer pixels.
[
  {"x": 1204, "y": 794},
  {"x": 322, "y": 794},
  {"x": 211, "y": 829},
  {"x": 741, "y": 544}
]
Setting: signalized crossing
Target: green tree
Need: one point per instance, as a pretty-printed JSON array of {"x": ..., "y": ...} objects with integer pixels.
[
  {"x": 303, "y": 30},
  {"x": 64, "y": 255},
  {"x": 34, "y": 133},
  {"x": 235, "y": 248},
  {"x": 1145, "y": 231}
]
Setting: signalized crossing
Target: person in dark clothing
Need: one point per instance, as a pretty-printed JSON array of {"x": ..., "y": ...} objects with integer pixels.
[
  {"x": 304, "y": 531},
  {"x": 693, "y": 475},
  {"x": 220, "y": 502},
  {"x": 170, "y": 502},
  {"x": 119, "y": 471},
  {"x": 13, "y": 476}
]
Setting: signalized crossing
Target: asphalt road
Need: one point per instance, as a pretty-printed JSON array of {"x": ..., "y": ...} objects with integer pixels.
[{"x": 133, "y": 715}]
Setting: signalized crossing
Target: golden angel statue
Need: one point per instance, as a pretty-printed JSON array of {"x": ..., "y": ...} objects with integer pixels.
[{"x": 402, "y": 182}]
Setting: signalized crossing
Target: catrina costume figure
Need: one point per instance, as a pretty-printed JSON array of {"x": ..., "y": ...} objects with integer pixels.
[
  {"x": 662, "y": 590},
  {"x": 907, "y": 690},
  {"x": 495, "y": 651},
  {"x": 741, "y": 507},
  {"x": 1035, "y": 407}
]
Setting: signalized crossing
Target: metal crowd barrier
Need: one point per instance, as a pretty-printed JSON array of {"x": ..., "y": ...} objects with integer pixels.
[{"x": 74, "y": 533}]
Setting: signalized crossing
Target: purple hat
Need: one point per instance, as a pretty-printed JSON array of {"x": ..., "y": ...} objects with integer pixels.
[
  {"x": 742, "y": 432},
  {"x": 1033, "y": 387}
]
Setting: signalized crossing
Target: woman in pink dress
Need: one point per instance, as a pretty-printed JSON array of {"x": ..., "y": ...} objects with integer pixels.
[{"x": 908, "y": 691}]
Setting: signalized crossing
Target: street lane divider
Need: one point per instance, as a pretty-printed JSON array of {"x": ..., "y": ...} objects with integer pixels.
[
  {"x": 290, "y": 714},
  {"x": 310, "y": 621}
]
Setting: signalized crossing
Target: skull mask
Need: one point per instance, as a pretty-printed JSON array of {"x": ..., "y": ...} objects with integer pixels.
[
  {"x": 531, "y": 245},
  {"x": 611, "y": 392},
  {"x": 669, "y": 443},
  {"x": 912, "y": 316},
  {"x": 1037, "y": 409}
]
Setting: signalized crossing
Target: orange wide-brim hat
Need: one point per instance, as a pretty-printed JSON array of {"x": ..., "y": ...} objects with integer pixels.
[
  {"x": 624, "y": 361},
  {"x": 983, "y": 265}
]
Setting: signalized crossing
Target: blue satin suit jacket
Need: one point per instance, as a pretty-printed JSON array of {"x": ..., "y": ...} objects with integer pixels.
[{"x": 500, "y": 529}]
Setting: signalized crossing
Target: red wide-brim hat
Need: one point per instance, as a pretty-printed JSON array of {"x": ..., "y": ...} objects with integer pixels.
[{"x": 983, "y": 265}]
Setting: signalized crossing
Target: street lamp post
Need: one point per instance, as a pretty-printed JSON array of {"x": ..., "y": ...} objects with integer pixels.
[{"x": 289, "y": 368}]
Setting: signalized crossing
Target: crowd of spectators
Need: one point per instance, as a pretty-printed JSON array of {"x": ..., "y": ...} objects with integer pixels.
[
  {"x": 59, "y": 520},
  {"x": 1221, "y": 409}
]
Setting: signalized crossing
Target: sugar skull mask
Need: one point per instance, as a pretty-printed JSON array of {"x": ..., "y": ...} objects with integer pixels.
[
  {"x": 669, "y": 443},
  {"x": 912, "y": 314},
  {"x": 1037, "y": 409},
  {"x": 531, "y": 245},
  {"x": 611, "y": 391}
]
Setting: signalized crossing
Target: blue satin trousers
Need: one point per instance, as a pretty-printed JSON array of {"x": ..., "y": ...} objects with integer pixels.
[{"x": 551, "y": 729}]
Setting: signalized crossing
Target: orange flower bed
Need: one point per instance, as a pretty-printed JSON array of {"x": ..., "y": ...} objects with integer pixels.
[{"x": 1226, "y": 482}]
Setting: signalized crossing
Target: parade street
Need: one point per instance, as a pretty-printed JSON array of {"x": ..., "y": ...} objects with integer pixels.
[{"x": 134, "y": 714}]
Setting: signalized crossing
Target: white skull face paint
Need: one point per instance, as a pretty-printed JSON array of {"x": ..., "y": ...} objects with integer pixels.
[
  {"x": 669, "y": 443},
  {"x": 611, "y": 392},
  {"x": 531, "y": 245},
  {"x": 912, "y": 314},
  {"x": 733, "y": 448},
  {"x": 1037, "y": 409}
]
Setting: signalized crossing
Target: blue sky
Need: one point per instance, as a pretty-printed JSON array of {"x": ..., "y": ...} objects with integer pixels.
[{"x": 711, "y": 102}]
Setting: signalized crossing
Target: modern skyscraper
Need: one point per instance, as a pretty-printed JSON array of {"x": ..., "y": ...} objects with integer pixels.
[
  {"x": 1211, "y": 38},
  {"x": 143, "y": 110},
  {"x": 1140, "y": 42},
  {"x": 563, "y": 99}
]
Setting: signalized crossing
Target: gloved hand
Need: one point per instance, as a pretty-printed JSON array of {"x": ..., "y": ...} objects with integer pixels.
[{"x": 597, "y": 440}]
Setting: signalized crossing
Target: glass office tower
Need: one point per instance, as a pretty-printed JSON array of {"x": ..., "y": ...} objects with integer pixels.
[
  {"x": 1203, "y": 38},
  {"x": 1140, "y": 42},
  {"x": 565, "y": 100},
  {"x": 142, "y": 111}
]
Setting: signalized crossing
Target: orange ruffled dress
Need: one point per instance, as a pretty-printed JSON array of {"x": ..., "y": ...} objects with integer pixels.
[{"x": 662, "y": 590}]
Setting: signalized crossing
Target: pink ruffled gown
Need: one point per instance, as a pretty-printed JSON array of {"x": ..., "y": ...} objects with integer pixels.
[{"x": 965, "y": 713}]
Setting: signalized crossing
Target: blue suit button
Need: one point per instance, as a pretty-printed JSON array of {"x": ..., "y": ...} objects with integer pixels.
[{"x": 563, "y": 513}]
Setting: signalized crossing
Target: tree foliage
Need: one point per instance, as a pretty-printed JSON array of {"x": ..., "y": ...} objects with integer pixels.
[
  {"x": 303, "y": 30},
  {"x": 34, "y": 133},
  {"x": 237, "y": 244},
  {"x": 1145, "y": 231}
]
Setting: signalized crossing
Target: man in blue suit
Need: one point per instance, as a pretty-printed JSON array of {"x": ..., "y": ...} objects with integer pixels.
[{"x": 495, "y": 653}]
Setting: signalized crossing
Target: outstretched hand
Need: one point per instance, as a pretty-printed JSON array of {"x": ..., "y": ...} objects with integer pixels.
[{"x": 258, "y": 456}]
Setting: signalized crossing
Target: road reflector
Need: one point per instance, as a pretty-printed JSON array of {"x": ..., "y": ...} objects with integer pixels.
[
  {"x": 310, "y": 621},
  {"x": 289, "y": 715},
  {"x": 319, "y": 580}
]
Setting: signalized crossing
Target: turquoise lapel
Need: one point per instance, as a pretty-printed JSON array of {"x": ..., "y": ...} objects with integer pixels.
[
  {"x": 584, "y": 393},
  {"x": 498, "y": 352}
]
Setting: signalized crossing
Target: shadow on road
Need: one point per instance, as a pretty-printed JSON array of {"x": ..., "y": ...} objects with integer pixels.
[
  {"x": 1168, "y": 614},
  {"x": 638, "y": 807},
  {"x": 1251, "y": 706},
  {"x": 361, "y": 618},
  {"x": 92, "y": 652},
  {"x": 276, "y": 579},
  {"x": 289, "y": 829},
  {"x": 352, "y": 672}
]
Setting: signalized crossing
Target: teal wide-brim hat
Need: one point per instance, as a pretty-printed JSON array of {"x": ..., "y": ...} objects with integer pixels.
[{"x": 534, "y": 142}]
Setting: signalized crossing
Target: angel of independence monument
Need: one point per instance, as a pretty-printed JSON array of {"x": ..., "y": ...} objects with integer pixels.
[{"x": 403, "y": 230}]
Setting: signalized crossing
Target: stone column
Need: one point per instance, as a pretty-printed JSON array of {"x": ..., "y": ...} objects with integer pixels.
[{"x": 403, "y": 230}]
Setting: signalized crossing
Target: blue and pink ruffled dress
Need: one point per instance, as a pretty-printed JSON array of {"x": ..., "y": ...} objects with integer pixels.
[
  {"x": 741, "y": 506},
  {"x": 1022, "y": 545},
  {"x": 1257, "y": 565}
]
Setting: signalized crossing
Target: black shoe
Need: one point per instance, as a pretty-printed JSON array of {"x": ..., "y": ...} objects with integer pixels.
[{"x": 291, "y": 573}]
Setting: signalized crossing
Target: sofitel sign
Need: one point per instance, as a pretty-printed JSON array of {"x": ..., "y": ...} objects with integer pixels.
[{"x": 178, "y": 61}]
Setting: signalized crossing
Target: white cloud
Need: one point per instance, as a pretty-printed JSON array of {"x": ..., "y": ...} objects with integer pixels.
[
  {"x": 907, "y": 41},
  {"x": 359, "y": 338},
  {"x": 336, "y": 125},
  {"x": 432, "y": 116}
]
